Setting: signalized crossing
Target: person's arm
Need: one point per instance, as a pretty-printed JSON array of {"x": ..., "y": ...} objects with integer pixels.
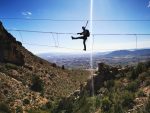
[{"x": 80, "y": 33}]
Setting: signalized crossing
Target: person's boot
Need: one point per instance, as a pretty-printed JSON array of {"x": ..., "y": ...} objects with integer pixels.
[
  {"x": 72, "y": 37},
  {"x": 84, "y": 49}
]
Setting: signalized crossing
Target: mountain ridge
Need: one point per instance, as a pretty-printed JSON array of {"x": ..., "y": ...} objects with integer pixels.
[{"x": 141, "y": 52}]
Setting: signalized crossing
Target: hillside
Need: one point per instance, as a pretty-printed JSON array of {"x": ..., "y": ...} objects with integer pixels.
[
  {"x": 29, "y": 82},
  {"x": 133, "y": 53},
  {"x": 116, "y": 90}
]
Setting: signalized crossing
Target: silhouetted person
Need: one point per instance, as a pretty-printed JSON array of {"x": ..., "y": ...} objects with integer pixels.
[{"x": 84, "y": 36}]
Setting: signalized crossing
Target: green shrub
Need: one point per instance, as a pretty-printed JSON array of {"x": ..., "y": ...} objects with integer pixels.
[
  {"x": 90, "y": 105},
  {"x": 3, "y": 69},
  {"x": 142, "y": 76},
  {"x": 147, "y": 82},
  {"x": 127, "y": 100},
  {"x": 133, "y": 86},
  {"x": 117, "y": 108},
  {"x": 65, "y": 104},
  {"x": 133, "y": 75},
  {"x": 140, "y": 93},
  {"x": 106, "y": 104},
  {"x": 140, "y": 68},
  {"x": 147, "y": 106},
  {"x": 119, "y": 85},
  {"x": 84, "y": 104},
  {"x": 50, "y": 106},
  {"x": 98, "y": 102},
  {"x": 37, "y": 111},
  {"x": 109, "y": 84},
  {"x": 147, "y": 64},
  {"x": 19, "y": 109},
  {"x": 11, "y": 66},
  {"x": 37, "y": 84},
  {"x": 26, "y": 101},
  {"x": 4, "y": 108}
]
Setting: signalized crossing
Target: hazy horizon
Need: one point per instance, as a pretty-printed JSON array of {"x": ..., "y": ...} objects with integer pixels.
[{"x": 89, "y": 52}]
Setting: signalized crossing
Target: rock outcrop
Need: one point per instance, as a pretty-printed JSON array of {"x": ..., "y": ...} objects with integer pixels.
[
  {"x": 105, "y": 72},
  {"x": 9, "y": 48}
]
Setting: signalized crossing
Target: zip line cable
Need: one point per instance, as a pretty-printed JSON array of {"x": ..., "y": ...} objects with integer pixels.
[
  {"x": 50, "y": 38},
  {"x": 62, "y": 47},
  {"x": 54, "y": 39},
  {"x": 51, "y": 46},
  {"x": 20, "y": 35},
  {"x": 123, "y": 34},
  {"x": 86, "y": 23},
  {"x": 41, "y": 31},
  {"x": 95, "y": 34},
  {"x": 57, "y": 40},
  {"x": 96, "y": 20}
]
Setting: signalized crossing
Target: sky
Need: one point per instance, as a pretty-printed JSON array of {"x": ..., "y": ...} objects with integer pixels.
[{"x": 77, "y": 10}]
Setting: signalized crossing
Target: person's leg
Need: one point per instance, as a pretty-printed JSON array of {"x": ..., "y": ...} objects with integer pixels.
[
  {"x": 77, "y": 37},
  {"x": 84, "y": 43}
]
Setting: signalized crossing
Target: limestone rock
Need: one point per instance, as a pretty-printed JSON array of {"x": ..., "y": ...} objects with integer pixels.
[{"x": 9, "y": 48}]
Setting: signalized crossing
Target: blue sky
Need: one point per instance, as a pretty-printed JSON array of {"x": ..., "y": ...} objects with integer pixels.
[{"x": 77, "y": 9}]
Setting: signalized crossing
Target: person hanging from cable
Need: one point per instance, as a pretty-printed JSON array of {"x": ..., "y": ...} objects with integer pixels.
[{"x": 84, "y": 36}]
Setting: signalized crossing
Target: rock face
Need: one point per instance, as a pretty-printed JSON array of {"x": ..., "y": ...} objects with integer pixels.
[
  {"x": 105, "y": 72},
  {"x": 9, "y": 48}
]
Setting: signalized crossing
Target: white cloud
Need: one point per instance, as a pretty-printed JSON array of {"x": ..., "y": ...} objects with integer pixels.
[
  {"x": 27, "y": 13},
  {"x": 148, "y": 5}
]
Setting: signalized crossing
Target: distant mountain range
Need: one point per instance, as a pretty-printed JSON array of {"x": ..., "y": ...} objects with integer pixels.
[
  {"x": 121, "y": 53},
  {"x": 117, "y": 53},
  {"x": 82, "y": 60}
]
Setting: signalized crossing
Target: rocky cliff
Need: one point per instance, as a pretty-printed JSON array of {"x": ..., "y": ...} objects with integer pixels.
[{"x": 9, "y": 48}]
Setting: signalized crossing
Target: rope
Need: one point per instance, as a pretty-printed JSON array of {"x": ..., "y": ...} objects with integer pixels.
[
  {"x": 54, "y": 39},
  {"x": 123, "y": 34},
  {"x": 20, "y": 35},
  {"x": 41, "y": 31},
  {"x": 71, "y": 20},
  {"x": 86, "y": 23},
  {"x": 33, "y": 44},
  {"x": 57, "y": 40},
  {"x": 95, "y": 34},
  {"x": 51, "y": 46}
]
